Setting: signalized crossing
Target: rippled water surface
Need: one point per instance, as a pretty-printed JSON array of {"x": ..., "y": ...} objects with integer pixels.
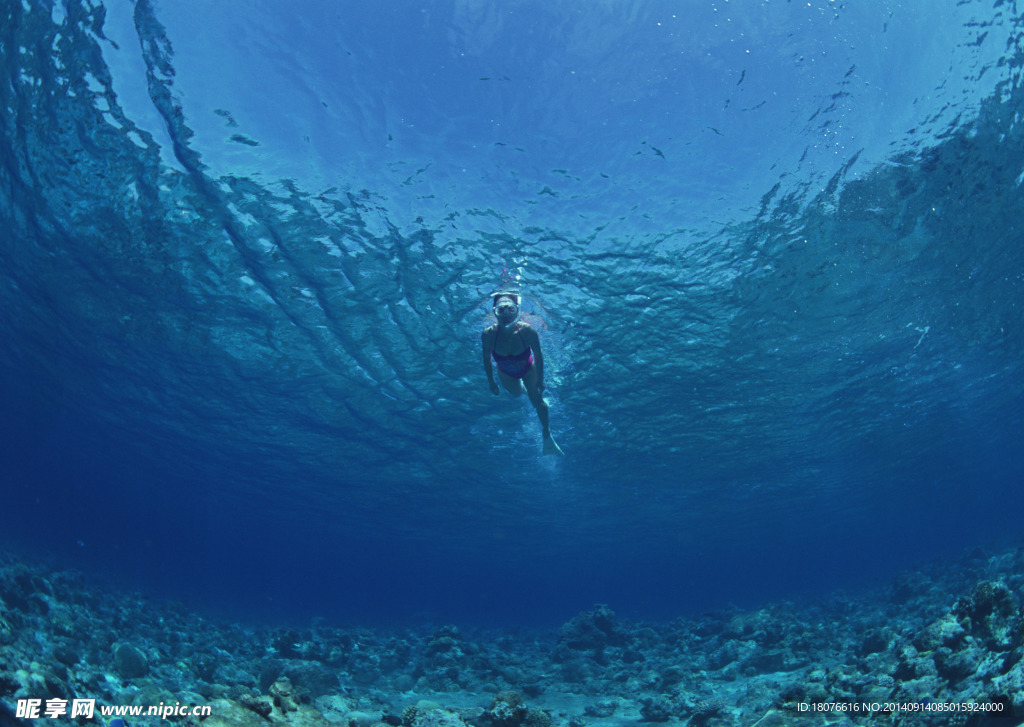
[{"x": 772, "y": 249}]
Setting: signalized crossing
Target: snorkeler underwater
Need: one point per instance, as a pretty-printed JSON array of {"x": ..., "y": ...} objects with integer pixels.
[{"x": 520, "y": 371}]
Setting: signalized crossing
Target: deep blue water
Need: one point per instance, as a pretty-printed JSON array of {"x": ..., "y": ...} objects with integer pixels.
[{"x": 772, "y": 248}]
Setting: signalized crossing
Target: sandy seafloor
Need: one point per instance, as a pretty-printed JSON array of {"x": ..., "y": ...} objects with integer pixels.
[{"x": 941, "y": 645}]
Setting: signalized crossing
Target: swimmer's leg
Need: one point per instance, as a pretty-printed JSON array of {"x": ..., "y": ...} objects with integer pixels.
[
  {"x": 513, "y": 385},
  {"x": 533, "y": 391}
]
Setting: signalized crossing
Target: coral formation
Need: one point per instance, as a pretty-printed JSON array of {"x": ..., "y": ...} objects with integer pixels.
[{"x": 940, "y": 635}]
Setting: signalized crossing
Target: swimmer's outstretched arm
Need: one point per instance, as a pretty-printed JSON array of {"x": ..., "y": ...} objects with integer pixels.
[{"x": 485, "y": 340}]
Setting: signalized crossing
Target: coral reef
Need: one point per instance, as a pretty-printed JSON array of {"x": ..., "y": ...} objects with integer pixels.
[{"x": 951, "y": 634}]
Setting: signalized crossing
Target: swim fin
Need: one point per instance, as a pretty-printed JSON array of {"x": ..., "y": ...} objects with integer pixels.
[{"x": 550, "y": 447}]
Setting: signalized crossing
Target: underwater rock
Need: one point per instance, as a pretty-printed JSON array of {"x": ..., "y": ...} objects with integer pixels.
[
  {"x": 530, "y": 685},
  {"x": 130, "y": 662},
  {"x": 269, "y": 671},
  {"x": 645, "y": 638},
  {"x": 368, "y": 673},
  {"x": 602, "y": 708},
  {"x": 986, "y": 599},
  {"x": 403, "y": 683},
  {"x": 909, "y": 586},
  {"x": 868, "y": 650},
  {"x": 427, "y": 714},
  {"x": 288, "y": 644},
  {"x": 445, "y": 639},
  {"x": 230, "y": 713},
  {"x": 358, "y": 718},
  {"x": 1011, "y": 661},
  {"x": 62, "y": 620},
  {"x": 444, "y": 671},
  {"x": 595, "y": 630},
  {"x": 9, "y": 681},
  {"x": 260, "y": 705},
  {"x": 507, "y": 709},
  {"x": 37, "y": 681},
  {"x": 6, "y": 631},
  {"x": 152, "y": 694},
  {"x": 441, "y": 645},
  {"x": 440, "y": 679},
  {"x": 672, "y": 675},
  {"x": 945, "y": 631},
  {"x": 651, "y": 681},
  {"x": 656, "y": 709},
  {"x": 954, "y": 665},
  {"x": 283, "y": 695},
  {"x": 912, "y": 664},
  {"x": 799, "y": 693},
  {"x": 227, "y": 713},
  {"x": 1011, "y": 684},
  {"x": 875, "y": 640},
  {"x": 537, "y": 718},
  {"x": 730, "y": 652},
  {"x": 334, "y": 709},
  {"x": 577, "y": 670},
  {"x": 18, "y": 585},
  {"x": 704, "y": 709},
  {"x": 203, "y": 664},
  {"x": 773, "y": 660},
  {"x": 918, "y": 690},
  {"x": 990, "y": 613},
  {"x": 235, "y": 673},
  {"x": 313, "y": 678}
]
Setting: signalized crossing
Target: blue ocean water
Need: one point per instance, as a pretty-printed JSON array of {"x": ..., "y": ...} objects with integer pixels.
[{"x": 772, "y": 249}]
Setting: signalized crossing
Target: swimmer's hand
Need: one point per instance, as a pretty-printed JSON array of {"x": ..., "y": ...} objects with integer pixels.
[{"x": 494, "y": 387}]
